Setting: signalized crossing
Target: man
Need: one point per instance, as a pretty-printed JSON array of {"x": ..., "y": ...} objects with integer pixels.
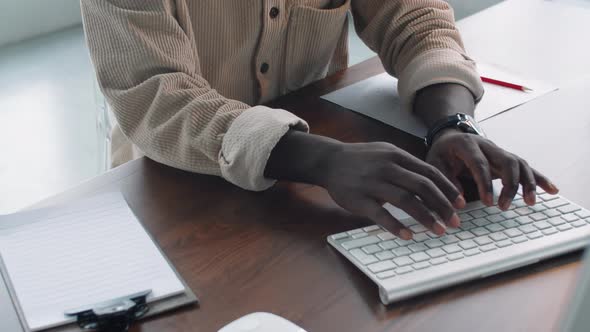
[{"x": 186, "y": 78}]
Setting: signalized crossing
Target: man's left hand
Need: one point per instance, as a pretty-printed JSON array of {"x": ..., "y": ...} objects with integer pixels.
[{"x": 455, "y": 153}]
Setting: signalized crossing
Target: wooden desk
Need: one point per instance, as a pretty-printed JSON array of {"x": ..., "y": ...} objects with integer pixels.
[{"x": 243, "y": 252}]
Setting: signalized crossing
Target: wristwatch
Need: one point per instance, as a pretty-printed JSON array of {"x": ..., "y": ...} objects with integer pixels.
[{"x": 461, "y": 121}]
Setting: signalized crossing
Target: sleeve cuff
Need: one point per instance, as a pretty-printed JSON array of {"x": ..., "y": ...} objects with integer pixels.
[
  {"x": 249, "y": 141},
  {"x": 438, "y": 66}
]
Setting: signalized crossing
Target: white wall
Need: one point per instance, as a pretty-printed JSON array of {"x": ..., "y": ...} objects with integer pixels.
[{"x": 22, "y": 19}]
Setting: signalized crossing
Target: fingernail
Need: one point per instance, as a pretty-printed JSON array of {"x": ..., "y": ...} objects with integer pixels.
[
  {"x": 490, "y": 199},
  {"x": 504, "y": 204},
  {"x": 439, "y": 228},
  {"x": 405, "y": 234},
  {"x": 460, "y": 202},
  {"x": 553, "y": 187},
  {"x": 530, "y": 198},
  {"x": 455, "y": 221}
]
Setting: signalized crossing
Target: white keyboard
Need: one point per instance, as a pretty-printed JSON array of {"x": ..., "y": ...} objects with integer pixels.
[{"x": 489, "y": 241}]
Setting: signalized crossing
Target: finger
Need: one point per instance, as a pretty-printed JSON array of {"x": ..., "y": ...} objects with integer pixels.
[
  {"x": 545, "y": 183},
  {"x": 376, "y": 212},
  {"x": 443, "y": 183},
  {"x": 529, "y": 184},
  {"x": 449, "y": 174},
  {"x": 412, "y": 206},
  {"x": 507, "y": 167},
  {"x": 479, "y": 167},
  {"x": 431, "y": 196}
]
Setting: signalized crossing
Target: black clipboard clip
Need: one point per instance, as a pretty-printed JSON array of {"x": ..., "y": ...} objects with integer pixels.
[{"x": 112, "y": 316}]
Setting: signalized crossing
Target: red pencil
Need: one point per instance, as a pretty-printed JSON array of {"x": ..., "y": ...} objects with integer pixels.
[{"x": 506, "y": 84}]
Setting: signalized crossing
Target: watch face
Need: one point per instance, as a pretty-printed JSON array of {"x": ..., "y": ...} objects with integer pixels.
[{"x": 473, "y": 125}]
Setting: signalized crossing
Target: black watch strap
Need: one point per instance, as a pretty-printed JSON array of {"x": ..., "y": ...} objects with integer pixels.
[{"x": 454, "y": 121}]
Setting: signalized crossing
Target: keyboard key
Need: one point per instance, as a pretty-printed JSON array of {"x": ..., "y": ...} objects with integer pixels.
[
  {"x": 504, "y": 243},
  {"x": 527, "y": 229},
  {"x": 467, "y": 225},
  {"x": 479, "y": 231},
  {"x": 518, "y": 203},
  {"x": 339, "y": 236},
  {"x": 524, "y": 220},
  {"x": 417, "y": 247},
  {"x": 478, "y": 214},
  {"x": 354, "y": 231},
  {"x": 495, "y": 218},
  {"x": 583, "y": 214},
  {"x": 534, "y": 235},
  {"x": 369, "y": 259},
  {"x": 360, "y": 242},
  {"x": 419, "y": 257},
  {"x": 386, "y": 236},
  {"x": 386, "y": 274},
  {"x": 564, "y": 227},
  {"x": 509, "y": 214},
  {"x": 495, "y": 227},
  {"x": 499, "y": 236},
  {"x": 436, "y": 252},
  {"x": 492, "y": 210},
  {"x": 488, "y": 247},
  {"x": 438, "y": 261},
  {"x": 404, "y": 270},
  {"x": 421, "y": 265},
  {"x": 402, "y": 261},
  {"x": 579, "y": 223},
  {"x": 371, "y": 249},
  {"x": 555, "y": 221},
  {"x": 509, "y": 223},
  {"x": 467, "y": 244},
  {"x": 434, "y": 243},
  {"x": 455, "y": 256},
  {"x": 542, "y": 224},
  {"x": 513, "y": 232},
  {"x": 419, "y": 228},
  {"x": 551, "y": 213},
  {"x": 451, "y": 230},
  {"x": 480, "y": 222},
  {"x": 465, "y": 217},
  {"x": 568, "y": 208},
  {"x": 547, "y": 197},
  {"x": 519, "y": 239},
  {"x": 471, "y": 252},
  {"x": 389, "y": 244},
  {"x": 523, "y": 211},
  {"x": 550, "y": 231},
  {"x": 482, "y": 240},
  {"x": 465, "y": 235},
  {"x": 384, "y": 255},
  {"x": 432, "y": 235},
  {"x": 371, "y": 228},
  {"x": 420, "y": 237},
  {"x": 538, "y": 208},
  {"x": 555, "y": 203},
  {"x": 538, "y": 216},
  {"x": 448, "y": 239},
  {"x": 451, "y": 248},
  {"x": 401, "y": 251},
  {"x": 381, "y": 266},
  {"x": 359, "y": 235},
  {"x": 569, "y": 217},
  {"x": 403, "y": 243}
]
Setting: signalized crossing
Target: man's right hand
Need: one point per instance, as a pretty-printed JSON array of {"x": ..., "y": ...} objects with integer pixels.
[{"x": 361, "y": 177}]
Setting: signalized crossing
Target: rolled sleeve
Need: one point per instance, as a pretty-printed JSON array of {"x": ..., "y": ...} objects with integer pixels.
[
  {"x": 249, "y": 141},
  {"x": 435, "y": 67}
]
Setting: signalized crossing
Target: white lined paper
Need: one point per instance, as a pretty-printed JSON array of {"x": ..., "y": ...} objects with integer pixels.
[{"x": 84, "y": 253}]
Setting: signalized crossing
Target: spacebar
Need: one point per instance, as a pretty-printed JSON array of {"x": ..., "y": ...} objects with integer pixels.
[{"x": 360, "y": 242}]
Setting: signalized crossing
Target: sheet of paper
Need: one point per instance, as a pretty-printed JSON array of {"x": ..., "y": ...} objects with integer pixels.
[
  {"x": 377, "y": 97},
  {"x": 84, "y": 253}
]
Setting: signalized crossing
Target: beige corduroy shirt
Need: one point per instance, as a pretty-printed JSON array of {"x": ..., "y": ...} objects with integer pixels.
[{"x": 185, "y": 78}]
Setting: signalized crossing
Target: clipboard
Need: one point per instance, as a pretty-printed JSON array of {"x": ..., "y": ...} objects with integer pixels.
[{"x": 13, "y": 318}]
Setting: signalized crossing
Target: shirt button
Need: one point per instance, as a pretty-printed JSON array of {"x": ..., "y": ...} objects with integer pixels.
[
  {"x": 264, "y": 68},
  {"x": 274, "y": 12}
]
